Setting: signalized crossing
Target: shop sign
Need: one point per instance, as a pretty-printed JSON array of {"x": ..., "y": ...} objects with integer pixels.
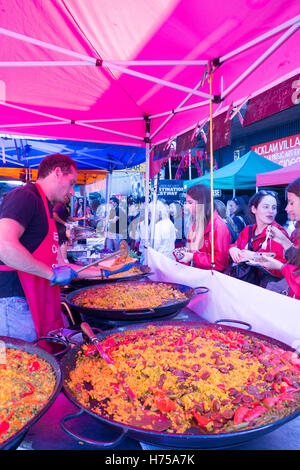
[
  {"x": 170, "y": 189},
  {"x": 284, "y": 151}
]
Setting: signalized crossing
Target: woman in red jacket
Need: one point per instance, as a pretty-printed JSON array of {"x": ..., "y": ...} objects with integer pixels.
[
  {"x": 255, "y": 238},
  {"x": 290, "y": 270},
  {"x": 200, "y": 233}
]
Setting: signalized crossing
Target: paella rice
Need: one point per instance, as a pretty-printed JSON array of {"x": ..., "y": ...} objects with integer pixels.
[
  {"x": 199, "y": 378},
  {"x": 27, "y": 383},
  {"x": 128, "y": 295},
  {"x": 134, "y": 271}
]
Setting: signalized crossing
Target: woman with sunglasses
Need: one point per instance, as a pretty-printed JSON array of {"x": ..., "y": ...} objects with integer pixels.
[
  {"x": 290, "y": 270},
  {"x": 255, "y": 238},
  {"x": 200, "y": 234}
]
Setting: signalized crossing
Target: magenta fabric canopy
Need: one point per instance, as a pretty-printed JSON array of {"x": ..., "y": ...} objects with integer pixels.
[
  {"x": 281, "y": 177},
  {"x": 135, "y": 72}
]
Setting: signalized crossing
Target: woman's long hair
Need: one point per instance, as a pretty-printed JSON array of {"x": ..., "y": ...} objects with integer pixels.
[
  {"x": 221, "y": 209},
  {"x": 242, "y": 209},
  {"x": 201, "y": 194}
]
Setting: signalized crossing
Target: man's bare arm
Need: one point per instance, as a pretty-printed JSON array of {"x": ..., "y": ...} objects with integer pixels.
[{"x": 15, "y": 255}]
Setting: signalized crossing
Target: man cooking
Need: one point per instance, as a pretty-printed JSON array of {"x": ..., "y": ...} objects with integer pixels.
[{"x": 31, "y": 265}]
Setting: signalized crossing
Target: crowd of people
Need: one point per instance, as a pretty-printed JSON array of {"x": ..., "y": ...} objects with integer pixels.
[{"x": 249, "y": 243}]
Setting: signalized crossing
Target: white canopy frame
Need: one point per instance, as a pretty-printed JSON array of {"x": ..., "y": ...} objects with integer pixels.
[
  {"x": 122, "y": 66},
  {"x": 288, "y": 28}
]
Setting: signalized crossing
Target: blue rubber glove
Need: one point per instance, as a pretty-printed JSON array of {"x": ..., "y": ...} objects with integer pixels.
[{"x": 62, "y": 275}]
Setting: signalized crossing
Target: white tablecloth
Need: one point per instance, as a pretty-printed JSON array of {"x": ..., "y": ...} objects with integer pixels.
[{"x": 268, "y": 312}]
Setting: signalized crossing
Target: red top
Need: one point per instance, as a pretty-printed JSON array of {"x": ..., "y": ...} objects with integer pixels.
[
  {"x": 222, "y": 238},
  {"x": 43, "y": 300},
  {"x": 272, "y": 246},
  {"x": 293, "y": 279}
]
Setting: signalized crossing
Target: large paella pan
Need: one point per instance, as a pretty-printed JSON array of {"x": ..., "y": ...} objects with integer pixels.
[
  {"x": 132, "y": 300},
  {"x": 218, "y": 385},
  {"x": 30, "y": 381}
]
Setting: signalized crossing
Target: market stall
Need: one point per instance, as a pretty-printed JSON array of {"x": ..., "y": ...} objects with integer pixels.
[
  {"x": 240, "y": 174},
  {"x": 281, "y": 177},
  {"x": 119, "y": 106}
]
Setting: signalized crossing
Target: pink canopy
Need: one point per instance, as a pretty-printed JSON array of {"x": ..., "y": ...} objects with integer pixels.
[
  {"x": 281, "y": 177},
  {"x": 99, "y": 70}
]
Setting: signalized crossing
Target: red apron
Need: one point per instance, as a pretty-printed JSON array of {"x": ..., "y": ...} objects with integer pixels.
[{"x": 43, "y": 300}]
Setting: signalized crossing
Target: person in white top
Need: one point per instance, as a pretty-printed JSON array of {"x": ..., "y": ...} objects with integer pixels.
[{"x": 164, "y": 236}]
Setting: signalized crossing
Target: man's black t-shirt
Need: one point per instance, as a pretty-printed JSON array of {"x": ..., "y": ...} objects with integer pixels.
[
  {"x": 63, "y": 213},
  {"x": 24, "y": 205}
]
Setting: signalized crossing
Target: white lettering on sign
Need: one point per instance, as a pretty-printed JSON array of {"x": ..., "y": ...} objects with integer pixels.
[
  {"x": 54, "y": 249},
  {"x": 284, "y": 152},
  {"x": 55, "y": 236}
]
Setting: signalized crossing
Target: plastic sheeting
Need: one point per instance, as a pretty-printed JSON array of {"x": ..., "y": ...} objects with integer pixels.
[{"x": 269, "y": 313}]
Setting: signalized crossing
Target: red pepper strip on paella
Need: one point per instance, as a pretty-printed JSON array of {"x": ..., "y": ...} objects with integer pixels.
[
  {"x": 33, "y": 366},
  {"x": 30, "y": 391},
  {"x": 89, "y": 350},
  {"x": 4, "y": 422},
  {"x": 163, "y": 403},
  {"x": 4, "y": 427},
  {"x": 115, "y": 386},
  {"x": 240, "y": 414},
  {"x": 275, "y": 399},
  {"x": 201, "y": 420},
  {"x": 255, "y": 413}
]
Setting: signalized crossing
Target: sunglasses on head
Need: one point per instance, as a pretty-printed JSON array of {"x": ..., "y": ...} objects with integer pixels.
[{"x": 268, "y": 193}]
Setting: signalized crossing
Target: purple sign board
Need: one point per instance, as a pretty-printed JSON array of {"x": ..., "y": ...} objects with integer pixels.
[{"x": 276, "y": 99}]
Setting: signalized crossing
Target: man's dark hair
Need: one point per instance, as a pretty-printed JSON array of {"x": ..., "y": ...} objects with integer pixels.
[
  {"x": 49, "y": 163},
  {"x": 114, "y": 199}
]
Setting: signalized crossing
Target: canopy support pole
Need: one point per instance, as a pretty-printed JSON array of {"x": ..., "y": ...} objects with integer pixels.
[
  {"x": 107, "y": 197},
  {"x": 35, "y": 124},
  {"x": 211, "y": 173},
  {"x": 159, "y": 81},
  {"x": 3, "y": 152},
  {"x": 39, "y": 113},
  {"x": 153, "y": 214},
  {"x": 180, "y": 109},
  {"x": 258, "y": 61},
  {"x": 104, "y": 129},
  {"x": 138, "y": 63},
  {"x": 46, "y": 45},
  {"x": 259, "y": 39},
  {"x": 172, "y": 113},
  {"x": 147, "y": 185},
  {"x": 45, "y": 63}
]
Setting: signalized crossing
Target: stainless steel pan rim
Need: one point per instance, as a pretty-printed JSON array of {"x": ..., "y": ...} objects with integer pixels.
[{"x": 136, "y": 314}]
